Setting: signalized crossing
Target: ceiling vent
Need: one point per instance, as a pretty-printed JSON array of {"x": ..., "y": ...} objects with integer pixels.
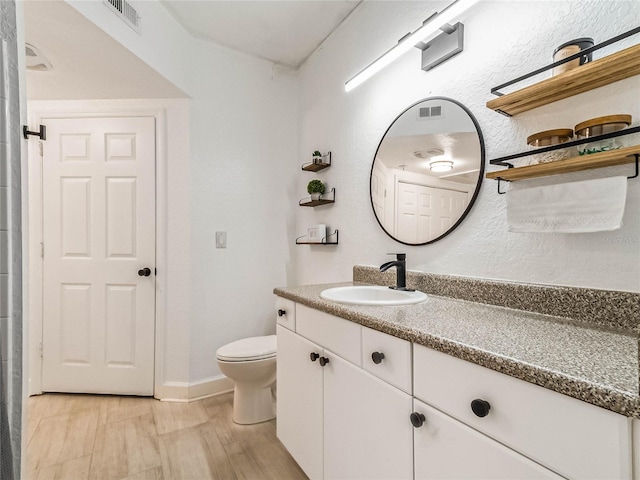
[
  {"x": 35, "y": 60},
  {"x": 126, "y": 12},
  {"x": 425, "y": 113},
  {"x": 428, "y": 153}
]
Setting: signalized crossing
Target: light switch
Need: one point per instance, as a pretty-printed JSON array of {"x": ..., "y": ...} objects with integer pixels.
[{"x": 221, "y": 239}]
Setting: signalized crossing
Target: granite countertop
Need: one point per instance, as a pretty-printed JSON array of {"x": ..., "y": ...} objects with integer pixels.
[{"x": 596, "y": 365}]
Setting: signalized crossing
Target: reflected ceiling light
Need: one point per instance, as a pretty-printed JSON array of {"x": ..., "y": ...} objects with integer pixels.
[
  {"x": 430, "y": 26},
  {"x": 441, "y": 166}
]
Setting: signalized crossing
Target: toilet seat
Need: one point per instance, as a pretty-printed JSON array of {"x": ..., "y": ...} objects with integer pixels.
[{"x": 248, "y": 349}]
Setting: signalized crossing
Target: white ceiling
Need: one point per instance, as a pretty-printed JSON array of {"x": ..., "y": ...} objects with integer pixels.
[
  {"x": 88, "y": 63},
  {"x": 283, "y": 31}
]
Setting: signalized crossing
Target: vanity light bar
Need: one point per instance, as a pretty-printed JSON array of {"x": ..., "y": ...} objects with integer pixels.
[{"x": 431, "y": 25}]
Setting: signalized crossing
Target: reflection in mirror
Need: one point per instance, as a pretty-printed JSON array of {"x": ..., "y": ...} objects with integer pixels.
[{"x": 427, "y": 171}]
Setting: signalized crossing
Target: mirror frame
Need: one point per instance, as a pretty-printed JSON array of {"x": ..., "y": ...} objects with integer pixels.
[{"x": 478, "y": 183}]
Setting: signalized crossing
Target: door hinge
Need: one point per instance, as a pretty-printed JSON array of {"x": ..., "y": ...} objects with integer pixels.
[
  {"x": 41, "y": 147},
  {"x": 41, "y": 249},
  {"x": 41, "y": 348}
]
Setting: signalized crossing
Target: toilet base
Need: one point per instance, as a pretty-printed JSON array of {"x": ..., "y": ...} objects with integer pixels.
[{"x": 252, "y": 405}]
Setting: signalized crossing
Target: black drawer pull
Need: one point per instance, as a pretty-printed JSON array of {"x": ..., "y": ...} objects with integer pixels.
[
  {"x": 417, "y": 419},
  {"x": 377, "y": 357},
  {"x": 480, "y": 407}
]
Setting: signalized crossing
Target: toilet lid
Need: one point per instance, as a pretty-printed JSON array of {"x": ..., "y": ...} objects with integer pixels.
[{"x": 252, "y": 348}]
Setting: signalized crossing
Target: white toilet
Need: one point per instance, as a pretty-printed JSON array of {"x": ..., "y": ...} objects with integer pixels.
[{"x": 251, "y": 364}]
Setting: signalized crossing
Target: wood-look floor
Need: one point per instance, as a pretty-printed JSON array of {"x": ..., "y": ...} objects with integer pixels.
[{"x": 77, "y": 437}]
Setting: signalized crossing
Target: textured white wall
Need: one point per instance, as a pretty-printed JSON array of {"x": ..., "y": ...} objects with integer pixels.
[
  {"x": 503, "y": 39},
  {"x": 243, "y": 128}
]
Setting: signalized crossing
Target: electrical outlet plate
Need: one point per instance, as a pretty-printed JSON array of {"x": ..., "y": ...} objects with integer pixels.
[{"x": 221, "y": 239}]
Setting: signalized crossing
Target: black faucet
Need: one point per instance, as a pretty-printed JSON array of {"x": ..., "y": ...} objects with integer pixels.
[{"x": 401, "y": 271}]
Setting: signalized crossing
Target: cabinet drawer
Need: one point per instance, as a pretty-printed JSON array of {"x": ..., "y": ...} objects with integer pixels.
[
  {"x": 571, "y": 437},
  {"x": 393, "y": 356},
  {"x": 286, "y": 313},
  {"x": 340, "y": 336},
  {"x": 448, "y": 449}
]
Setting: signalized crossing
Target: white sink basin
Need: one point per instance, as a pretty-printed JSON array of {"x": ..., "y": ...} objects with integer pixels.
[{"x": 372, "y": 295}]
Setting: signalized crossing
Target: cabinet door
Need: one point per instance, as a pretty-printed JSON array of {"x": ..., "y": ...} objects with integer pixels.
[
  {"x": 448, "y": 449},
  {"x": 299, "y": 405},
  {"x": 636, "y": 448},
  {"x": 367, "y": 432}
]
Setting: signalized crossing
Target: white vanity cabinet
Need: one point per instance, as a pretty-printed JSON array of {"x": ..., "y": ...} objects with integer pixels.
[
  {"x": 571, "y": 437},
  {"x": 336, "y": 419},
  {"x": 348, "y": 395}
]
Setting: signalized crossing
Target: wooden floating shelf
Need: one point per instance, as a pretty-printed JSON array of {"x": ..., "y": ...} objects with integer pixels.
[
  {"x": 322, "y": 201},
  {"x": 610, "y": 69},
  {"x": 316, "y": 203},
  {"x": 580, "y": 163},
  {"x": 316, "y": 243},
  {"x": 315, "y": 167},
  {"x": 323, "y": 242}
]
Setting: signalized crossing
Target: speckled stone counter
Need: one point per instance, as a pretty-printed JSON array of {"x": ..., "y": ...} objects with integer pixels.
[{"x": 596, "y": 365}]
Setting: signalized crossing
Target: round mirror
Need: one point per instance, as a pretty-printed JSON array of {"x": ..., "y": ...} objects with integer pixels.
[{"x": 427, "y": 171}]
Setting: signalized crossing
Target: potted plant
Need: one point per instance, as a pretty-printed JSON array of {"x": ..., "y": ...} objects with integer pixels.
[
  {"x": 317, "y": 157},
  {"x": 315, "y": 188}
]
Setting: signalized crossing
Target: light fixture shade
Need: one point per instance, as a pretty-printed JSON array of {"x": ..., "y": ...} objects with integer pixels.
[{"x": 441, "y": 166}]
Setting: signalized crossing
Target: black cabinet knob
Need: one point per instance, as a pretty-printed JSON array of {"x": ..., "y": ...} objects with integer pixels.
[
  {"x": 323, "y": 361},
  {"x": 145, "y": 272},
  {"x": 377, "y": 357},
  {"x": 314, "y": 356},
  {"x": 480, "y": 407},
  {"x": 417, "y": 419},
  {"x": 282, "y": 313}
]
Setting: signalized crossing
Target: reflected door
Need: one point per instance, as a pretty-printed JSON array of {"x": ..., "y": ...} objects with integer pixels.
[
  {"x": 99, "y": 232},
  {"x": 426, "y": 212},
  {"x": 415, "y": 220}
]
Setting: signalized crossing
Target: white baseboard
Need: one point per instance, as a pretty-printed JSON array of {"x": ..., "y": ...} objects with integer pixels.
[{"x": 189, "y": 392}]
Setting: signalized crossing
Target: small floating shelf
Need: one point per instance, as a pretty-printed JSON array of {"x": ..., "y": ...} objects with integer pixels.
[
  {"x": 316, "y": 167},
  {"x": 610, "y": 69},
  {"x": 307, "y": 202},
  {"x": 325, "y": 240},
  {"x": 579, "y": 163}
]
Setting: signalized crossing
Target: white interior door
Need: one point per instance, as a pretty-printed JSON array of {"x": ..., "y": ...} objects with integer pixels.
[{"x": 98, "y": 233}]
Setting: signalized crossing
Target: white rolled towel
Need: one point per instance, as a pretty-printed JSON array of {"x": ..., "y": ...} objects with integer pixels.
[{"x": 585, "y": 206}]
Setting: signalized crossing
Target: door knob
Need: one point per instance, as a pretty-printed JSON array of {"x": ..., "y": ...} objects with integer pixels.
[
  {"x": 314, "y": 356},
  {"x": 377, "y": 357},
  {"x": 417, "y": 419},
  {"x": 323, "y": 361},
  {"x": 145, "y": 272},
  {"x": 480, "y": 407},
  {"x": 281, "y": 313}
]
